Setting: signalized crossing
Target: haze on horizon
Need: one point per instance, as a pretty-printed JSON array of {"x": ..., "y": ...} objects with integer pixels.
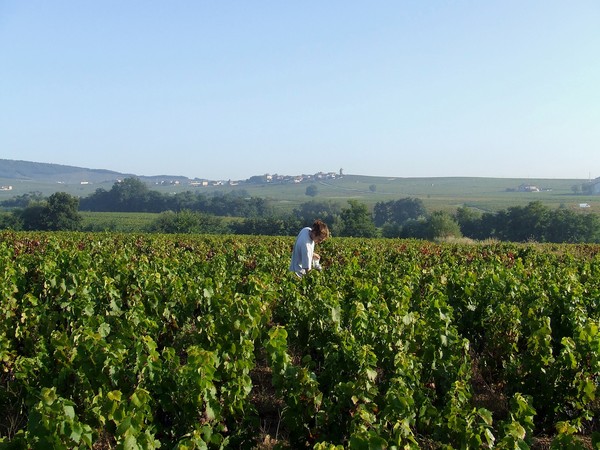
[{"x": 228, "y": 90}]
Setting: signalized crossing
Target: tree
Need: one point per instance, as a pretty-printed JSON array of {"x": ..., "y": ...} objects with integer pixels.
[
  {"x": 60, "y": 212},
  {"x": 415, "y": 229},
  {"x": 328, "y": 211},
  {"x": 32, "y": 217},
  {"x": 356, "y": 221},
  {"x": 23, "y": 201},
  {"x": 130, "y": 195},
  {"x": 532, "y": 222},
  {"x": 188, "y": 200},
  {"x": 438, "y": 225},
  {"x": 526, "y": 223},
  {"x": 587, "y": 188},
  {"x": 258, "y": 179},
  {"x": 441, "y": 225},
  {"x": 312, "y": 190},
  {"x": 187, "y": 222},
  {"x": 10, "y": 221},
  {"x": 398, "y": 211},
  {"x": 391, "y": 230},
  {"x": 100, "y": 200},
  {"x": 469, "y": 221},
  {"x": 568, "y": 226},
  {"x": 267, "y": 226}
]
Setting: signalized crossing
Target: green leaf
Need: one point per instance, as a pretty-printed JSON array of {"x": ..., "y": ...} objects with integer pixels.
[
  {"x": 489, "y": 436},
  {"x": 69, "y": 411},
  {"x": 48, "y": 396},
  {"x": 486, "y": 415},
  {"x": 516, "y": 430},
  {"x": 564, "y": 427},
  {"x": 590, "y": 389},
  {"x": 135, "y": 400},
  {"x": 336, "y": 314},
  {"x": 76, "y": 432},
  {"x": 371, "y": 374},
  {"x": 210, "y": 413},
  {"x": 124, "y": 426},
  {"x": 104, "y": 330},
  {"x": 87, "y": 435},
  {"x": 115, "y": 396},
  {"x": 130, "y": 443},
  {"x": 596, "y": 439},
  {"x": 377, "y": 443}
]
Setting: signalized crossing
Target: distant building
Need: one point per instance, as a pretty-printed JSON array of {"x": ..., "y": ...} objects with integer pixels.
[{"x": 528, "y": 188}]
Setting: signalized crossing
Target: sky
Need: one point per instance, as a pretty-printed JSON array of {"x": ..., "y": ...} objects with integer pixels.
[{"x": 233, "y": 89}]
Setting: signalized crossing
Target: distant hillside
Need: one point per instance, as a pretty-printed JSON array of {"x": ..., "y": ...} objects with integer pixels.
[
  {"x": 289, "y": 192},
  {"x": 57, "y": 173}
]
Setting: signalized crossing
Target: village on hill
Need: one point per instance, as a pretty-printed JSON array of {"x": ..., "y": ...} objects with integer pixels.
[{"x": 273, "y": 179}]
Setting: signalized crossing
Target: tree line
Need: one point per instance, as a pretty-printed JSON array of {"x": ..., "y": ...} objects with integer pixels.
[
  {"x": 190, "y": 212},
  {"x": 132, "y": 195}
]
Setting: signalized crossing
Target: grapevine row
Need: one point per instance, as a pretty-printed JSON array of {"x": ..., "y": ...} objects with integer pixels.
[{"x": 147, "y": 341}]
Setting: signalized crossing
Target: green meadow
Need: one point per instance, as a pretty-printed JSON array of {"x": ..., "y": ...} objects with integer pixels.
[{"x": 447, "y": 194}]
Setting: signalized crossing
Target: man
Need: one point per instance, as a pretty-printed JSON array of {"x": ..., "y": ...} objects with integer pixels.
[{"x": 304, "y": 257}]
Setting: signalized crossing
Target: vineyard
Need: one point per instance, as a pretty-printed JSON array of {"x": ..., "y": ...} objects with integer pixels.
[{"x": 138, "y": 341}]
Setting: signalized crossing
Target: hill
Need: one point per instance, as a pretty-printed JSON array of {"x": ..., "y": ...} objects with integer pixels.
[
  {"x": 57, "y": 173},
  {"x": 20, "y": 177},
  {"x": 286, "y": 193}
]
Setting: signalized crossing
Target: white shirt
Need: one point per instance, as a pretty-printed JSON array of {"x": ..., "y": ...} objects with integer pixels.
[{"x": 302, "y": 255}]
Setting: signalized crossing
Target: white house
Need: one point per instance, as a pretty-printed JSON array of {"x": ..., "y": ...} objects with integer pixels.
[{"x": 528, "y": 188}]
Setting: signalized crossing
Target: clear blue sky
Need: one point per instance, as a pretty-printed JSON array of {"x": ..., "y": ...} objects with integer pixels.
[{"x": 231, "y": 89}]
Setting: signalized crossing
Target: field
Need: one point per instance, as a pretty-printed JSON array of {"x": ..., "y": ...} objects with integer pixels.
[
  {"x": 486, "y": 194},
  {"x": 139, "y": 341},
  {"x": 116, "y": 221}
]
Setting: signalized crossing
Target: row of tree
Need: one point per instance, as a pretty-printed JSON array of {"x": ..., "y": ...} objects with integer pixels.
[
  {"x": 534, "y": 222},
  {"x": 404, "y": 218},
  {"x": 132, "y": 195},
  {"x": 58, "y": 212}
]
